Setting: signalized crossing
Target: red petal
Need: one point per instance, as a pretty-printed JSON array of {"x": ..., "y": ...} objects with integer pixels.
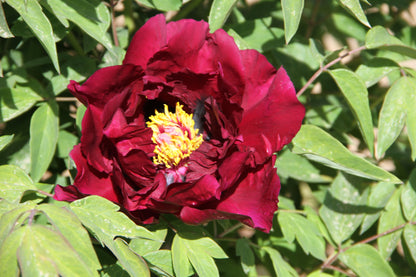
[
  {"x": 104, "y": 84},
  {"x": 148, "y": 40},
  {"x": 274, "y": 120}
]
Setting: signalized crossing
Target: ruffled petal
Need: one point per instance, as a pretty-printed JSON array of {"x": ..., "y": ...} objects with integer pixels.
[
  {"x": 274, "y": 120},
  {"x": 148, "y": 40}
]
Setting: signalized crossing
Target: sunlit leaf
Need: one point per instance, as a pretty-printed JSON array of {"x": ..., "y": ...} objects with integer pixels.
[
  {"x": 292, "y": 13},
  {"x": 354, "y": 7},
  {"x": 220, "y": 10},
  {"x": 356, "y": 94},
  {"x": 44, "y": 127},
  {"x": 4, "y": 140},
  {"x": 375, "y": 69},
  {"x": 319, "y": 146},
  {"x": 390, "y": 218},
  {"x": 32, "y": 14},
  {"x": 344, "y": 206},
  {"x": 13, "y": 183},
  {"x": 15, "y": 101},
  {"x": 379, "y": 37},
  {"x": 281, "y": 267},
  {"x": 162, "y": 5},
  {"x": 409, "y": 235},
  {"x": 308, "y": 236},
  {"x": 181, "y": 263},
  {"x": 4, "y": 27},
  {"x": 160, "y": 262},
  {"x": 408, "y": 197},
  {"x": 8, "y": 248},
  {"x": 364, "y": 260},
  {"x": 144, "y": 246}
]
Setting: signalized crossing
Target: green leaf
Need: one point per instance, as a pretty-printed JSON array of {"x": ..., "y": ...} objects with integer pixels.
[
  {"x": 356, "y": 94},
  {"x": 409, "y": 236},
  {"x": 299, "y": 168},
  {"x": 101, "y": 216},
  {"x": 13, "y": 183},
  {"x": 365, "y": 261},
  {"x": 4, "y": 140},
  {"x": 393, "y": 112},
  {"x": 181, "y": 263},
  {"x": 354, "y": 7},
  {"x": 375, "y": 69},
  {"x": 8, "y": 260},
  {"x": 408, "y": 197},
  {"x": 379, "y": 196},
  {"x": 390, "y": 218},
  {"x": 91, "y": 16},
  {"x": 319, "y": 146},
  {"x": 44, "y": 252},
  {"x": 162, "y": 5},
  {"x": 32, "y": 14},
  {"x": 348, "y": 26},
  {"x": 241, "y": 43},
  {"x": 317, "y": 50},
  {"x": 160, "y": 262},
  {"x": 308, "y": 236},
  {"x": 70, "y": 227},
  {"x": 319, "y": 273},
  {"x": 292, "y": 13},
  {"x": 344, "y": 206},
  {"x": 66, "y": 142},
  {"x": 244, "y": 251},
  {"x": 281, "y": 267},
  {"x": 80, "y": 115},
  {"x": 4, "y": 28},
  {"x": 15, "y": 101},
  {"x": 411, "y": 115},
  {"x": 144, "y": 246},
  {"x": 13, "y": 219},
  {"x": 131, "y": 262},
  {"x": 379, "y": 37},
  {"x": 44, "y": 127},
  {"x": 220, "y": 10}
]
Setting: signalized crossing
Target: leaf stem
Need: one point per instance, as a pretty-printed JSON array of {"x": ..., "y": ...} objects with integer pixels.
[
  {"x": 113, "y": 3},
  {"x": 229, "y": 230},
  {"x": 328, "y": 65}
]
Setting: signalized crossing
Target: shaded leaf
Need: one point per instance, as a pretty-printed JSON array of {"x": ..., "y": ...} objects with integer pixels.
[
  {"x": 354, "y": 7},
  {"x": 308, "y": 236},
  {"x": 15, "y": 101},
  {"x": 4, "y": 140},
  {"x": 356, "y": 94},
  {"x": 377, "y": 200},
  {"x": 44, "y": 127},
  {"x": 66, "y": 142},
  {"x": 365, "y": 261},
  {"x": 162, "y": 5},
  {"x": 379, "y": 37},
  {"x": 408, "y": 197},
  {"x": 390, "y": 218},
  {"x": 246, "y": 255},
  {"x": 292, "y": 13},
  {"x": 319, "y": 146},
  {"x": 32, "y": 14},
  {"x": 4, "y": 27},
  {"x": 220, "y": 10},
  {"x": 13, "y": 183},
  {"x": 344, "y": 206},
  {"x": 281, "y": 267}
]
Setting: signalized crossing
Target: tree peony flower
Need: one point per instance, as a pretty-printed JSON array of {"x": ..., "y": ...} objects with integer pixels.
[{"x": 187, "y": 125}]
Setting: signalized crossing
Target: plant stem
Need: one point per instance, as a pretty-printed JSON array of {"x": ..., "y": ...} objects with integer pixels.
[
  {"x": 113, "y": 3},
  {"x": 229, "y": 230},
  {"x": 328, "y": 65},
  {"x": 66, "y": 99}
]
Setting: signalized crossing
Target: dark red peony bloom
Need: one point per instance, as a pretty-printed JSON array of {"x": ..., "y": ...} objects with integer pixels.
[{"x": 187, "y": 125}]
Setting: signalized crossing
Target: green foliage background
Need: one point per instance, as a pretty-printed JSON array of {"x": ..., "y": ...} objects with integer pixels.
[{"x": 347, "y": 205}]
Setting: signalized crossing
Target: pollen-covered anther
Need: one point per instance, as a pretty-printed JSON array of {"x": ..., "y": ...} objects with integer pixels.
[{"x": 174, "y": 135}]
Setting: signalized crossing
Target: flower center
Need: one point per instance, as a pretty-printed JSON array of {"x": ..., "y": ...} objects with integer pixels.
[{"x": 174, "y": 135}]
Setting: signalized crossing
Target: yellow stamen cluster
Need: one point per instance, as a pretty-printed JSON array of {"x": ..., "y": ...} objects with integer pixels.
[{"x": 174, "y": 136}]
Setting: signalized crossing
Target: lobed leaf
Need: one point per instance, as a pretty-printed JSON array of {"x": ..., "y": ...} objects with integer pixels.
[
  {"x": 144, "y": 246},
  {"x": 44, "y": 127},
  {"x": 319, "y": 146},
  {"x": 220, "y": 10},
  {"x": 181, "y": 263},
  {"x": 160, "y": 262},
  {"x": 308, "y": 236},
  {"x": 32, "y": 14},
  {"x": 356, "y": 94},
  {"x": 365, "y": 261},
  {"x": 292, "y": 13}
]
